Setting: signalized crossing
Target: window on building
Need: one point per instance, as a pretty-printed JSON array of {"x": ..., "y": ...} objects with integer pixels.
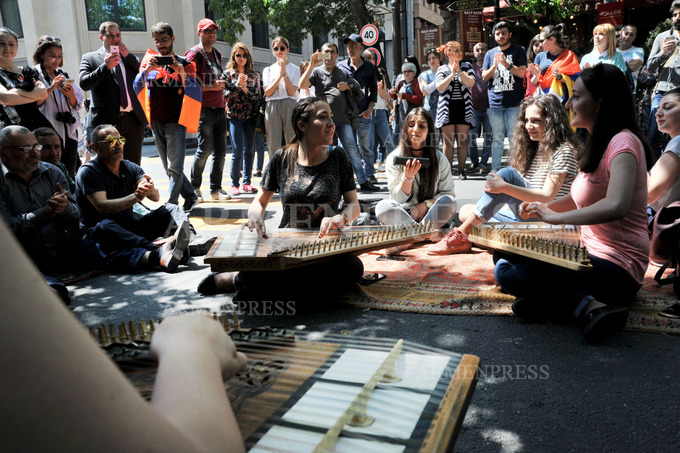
[
  {"x": 9, "y": 9},
  {"x": 318, "y": 41},
  {"x": 214, "y": 17},
  {"x": 128, "y": 14},
  {"x": 260, "y": 32}
]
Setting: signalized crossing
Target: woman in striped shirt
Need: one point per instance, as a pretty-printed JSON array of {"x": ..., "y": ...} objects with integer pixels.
[
  {"x": 544, "y": 164},
  {"x": 455, "y": 115}
]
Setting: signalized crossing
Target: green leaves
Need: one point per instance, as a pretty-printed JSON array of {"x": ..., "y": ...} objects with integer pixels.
[{"x": 556, "y": 11}]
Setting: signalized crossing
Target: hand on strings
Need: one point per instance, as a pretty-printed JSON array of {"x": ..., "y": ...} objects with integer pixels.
[{"x": 331, "y": 223}]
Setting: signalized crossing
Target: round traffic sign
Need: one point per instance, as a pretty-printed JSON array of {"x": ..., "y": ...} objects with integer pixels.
[{"x": 369, "y": 34}]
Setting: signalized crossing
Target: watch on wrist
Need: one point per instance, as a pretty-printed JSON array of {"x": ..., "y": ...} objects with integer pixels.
[{"x": 429, "y": 204}]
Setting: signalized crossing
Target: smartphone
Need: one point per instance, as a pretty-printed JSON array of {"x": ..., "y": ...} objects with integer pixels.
[
  {"x": 114, "y": 49},
  {"x": 324, "y": 56},
  {"x": 401, "y": 160},
  {"x": 68, "y": 82},
  {"x": 391, "y": 258},
  {"x": 371, "y": 278},
  {"x": 164, "y": 60}
]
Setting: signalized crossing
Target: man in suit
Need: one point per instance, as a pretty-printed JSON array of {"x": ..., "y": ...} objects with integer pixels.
[{"x": 104, "y": 72}]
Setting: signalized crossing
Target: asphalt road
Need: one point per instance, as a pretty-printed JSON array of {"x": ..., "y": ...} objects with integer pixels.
[{"x": 541, "y": 388}]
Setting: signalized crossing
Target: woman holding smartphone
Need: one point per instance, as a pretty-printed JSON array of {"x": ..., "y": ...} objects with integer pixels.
[
  {"x": 418, "y": 194},
  {"x": 64, "y": 99},
  {"x": 281, "y": 82}
]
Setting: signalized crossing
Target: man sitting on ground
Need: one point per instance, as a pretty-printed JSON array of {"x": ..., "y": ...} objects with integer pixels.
[
  {"x": 50, "y": 141},
  {"x": 109, "y": 191},
  {"x": 42, "y": 214}
]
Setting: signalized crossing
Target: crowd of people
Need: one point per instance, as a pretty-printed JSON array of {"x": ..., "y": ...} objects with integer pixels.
[
  {"x": 433, "y": 113},
  {"x": 327, "y": 124}
]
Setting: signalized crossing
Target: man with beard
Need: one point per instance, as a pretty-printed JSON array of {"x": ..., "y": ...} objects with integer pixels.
[
  {"x": 168, "y": 91},
  {"x": 504, "y": 68},
  {"x": 664, "y": 58}
]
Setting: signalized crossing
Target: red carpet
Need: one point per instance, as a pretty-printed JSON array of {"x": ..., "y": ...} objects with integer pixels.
[{"x": 464, "y": 285}]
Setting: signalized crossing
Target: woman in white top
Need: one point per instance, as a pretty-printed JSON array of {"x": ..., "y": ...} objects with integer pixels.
[
  {"x": 281, "y": 81},
  {"x": 418, "y": 194},
  {"x": 64, "y": 99}
]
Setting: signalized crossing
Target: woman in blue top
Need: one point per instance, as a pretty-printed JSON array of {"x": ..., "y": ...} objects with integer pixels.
[{"x": 604, "y": 49}]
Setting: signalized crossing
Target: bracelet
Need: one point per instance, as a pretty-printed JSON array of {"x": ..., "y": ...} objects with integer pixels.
[{"x": 405, "y": 179}]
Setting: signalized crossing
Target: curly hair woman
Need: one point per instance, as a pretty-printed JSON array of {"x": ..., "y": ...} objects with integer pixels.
[{"x": 543, "y": 166}]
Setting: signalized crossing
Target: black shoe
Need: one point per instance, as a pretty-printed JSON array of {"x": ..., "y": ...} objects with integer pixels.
[
  {"x": 257, "y": 174},
  {"x": 369, "y": 187},
  {"x": 372, "y": 180},
  {"x": 672, "y": 312},
  {"x": 207, "y": 286},
  {"x": 61, "y": 291},
  {"x": 462, "y": 176},
  {"x": 604, "y": 321}
]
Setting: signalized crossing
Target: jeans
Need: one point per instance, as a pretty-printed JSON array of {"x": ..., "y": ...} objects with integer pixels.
[
  {"x": 489, "y": 204},
  {"x": 381, "y": 122},
  {"x": 364, "y": 133},
  {"x": 347, "y": 140},
  {"x": 482, "y": 121},
  {"x": 503, "y": 120},
  {"x": 607, "y": 282},
  {"x": 212, "y": 138},
  {"x": 243, "y": 141},
  {"x": 259, "y": 150},
  {"x": 170, "y": 141},
  {"x": 391, "y": 213}
]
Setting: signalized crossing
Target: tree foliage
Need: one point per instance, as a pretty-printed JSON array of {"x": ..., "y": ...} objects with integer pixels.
[
  {"x": 555, "y": 10},
  {"x": 293, "y": 19}
]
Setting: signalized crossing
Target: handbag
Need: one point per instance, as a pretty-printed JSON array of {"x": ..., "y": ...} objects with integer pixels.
[
  {"x": 259, "y": 116},
  {"x": 664, "y": 244}
]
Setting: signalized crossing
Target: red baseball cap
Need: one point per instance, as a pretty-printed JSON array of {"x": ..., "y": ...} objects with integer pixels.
[{"x": 205, "y": 24}]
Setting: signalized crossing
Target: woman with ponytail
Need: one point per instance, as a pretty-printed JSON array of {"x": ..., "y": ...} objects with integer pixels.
[{"x": 315, "y": 183}]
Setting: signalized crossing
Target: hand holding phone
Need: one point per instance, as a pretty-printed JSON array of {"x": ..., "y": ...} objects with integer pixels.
[
  {"x": 115, "y": 49},
  {"x": 164, "y": 60},
  {"x": 401, "y": 160},
  {"x": 324, "y": 56}
]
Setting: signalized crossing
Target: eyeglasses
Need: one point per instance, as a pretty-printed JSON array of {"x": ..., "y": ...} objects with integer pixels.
[
  {"x": 112, "y": 141},
  {"x": 27, "y": 148},
  {"x": 210, "y": 31},
  {"x": 276, "y": 49},
  {"x": 407, "y": 71},
  {"x": 240, "y": 55},
  {"x": 162, "y": 41}
]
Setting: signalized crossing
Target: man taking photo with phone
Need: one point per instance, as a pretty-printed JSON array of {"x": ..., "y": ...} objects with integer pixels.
[{"x": 167, "y": 84}]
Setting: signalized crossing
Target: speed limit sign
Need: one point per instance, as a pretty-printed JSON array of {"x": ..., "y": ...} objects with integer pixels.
[{"x": 369, "y": 34}]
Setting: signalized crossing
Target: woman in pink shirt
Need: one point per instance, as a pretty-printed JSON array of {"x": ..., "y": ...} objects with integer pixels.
[{"x": 608, "y": 199}]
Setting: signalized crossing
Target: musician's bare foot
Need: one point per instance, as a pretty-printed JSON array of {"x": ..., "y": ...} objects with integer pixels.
[{"x": 218, "y": 283}]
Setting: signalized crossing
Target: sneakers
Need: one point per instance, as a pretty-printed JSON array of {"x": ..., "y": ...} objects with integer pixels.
[
  {"x": 190, "y": 204},
  {"x": 235, "y": 192},
  {"x": 173, "y": 250},
  {"x": 257, "y": 174},
  {"x": 247, "y": 188},
  {"x": 454, "y": 242},
  {"x": 373, "y": 180},
  {"x": 199, "y": 195},
  {"x": 219, "y": 195},
  {"x": 604, "y": 321},
  {"x": 369, "y": 187}
]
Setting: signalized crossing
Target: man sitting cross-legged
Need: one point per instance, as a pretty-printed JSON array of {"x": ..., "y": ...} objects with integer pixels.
[
  {"x": 42, "y": 213},
  {"x": 109, "y": 190}
]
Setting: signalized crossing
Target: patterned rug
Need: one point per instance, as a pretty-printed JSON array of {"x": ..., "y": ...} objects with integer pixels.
[{"x": 464, "y": 285}]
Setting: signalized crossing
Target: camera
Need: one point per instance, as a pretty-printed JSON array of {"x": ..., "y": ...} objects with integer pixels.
[{"x": 66, "y": 117}]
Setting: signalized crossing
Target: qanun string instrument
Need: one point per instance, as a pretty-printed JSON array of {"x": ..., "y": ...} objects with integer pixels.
[
  {"x": 555, "y": 244},
  {"x": 321, "y": 392},
  {"x": 289, "y": 248}
]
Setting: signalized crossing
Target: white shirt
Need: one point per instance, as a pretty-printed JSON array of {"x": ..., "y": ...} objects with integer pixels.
[{"x": 271, "y": 73}]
